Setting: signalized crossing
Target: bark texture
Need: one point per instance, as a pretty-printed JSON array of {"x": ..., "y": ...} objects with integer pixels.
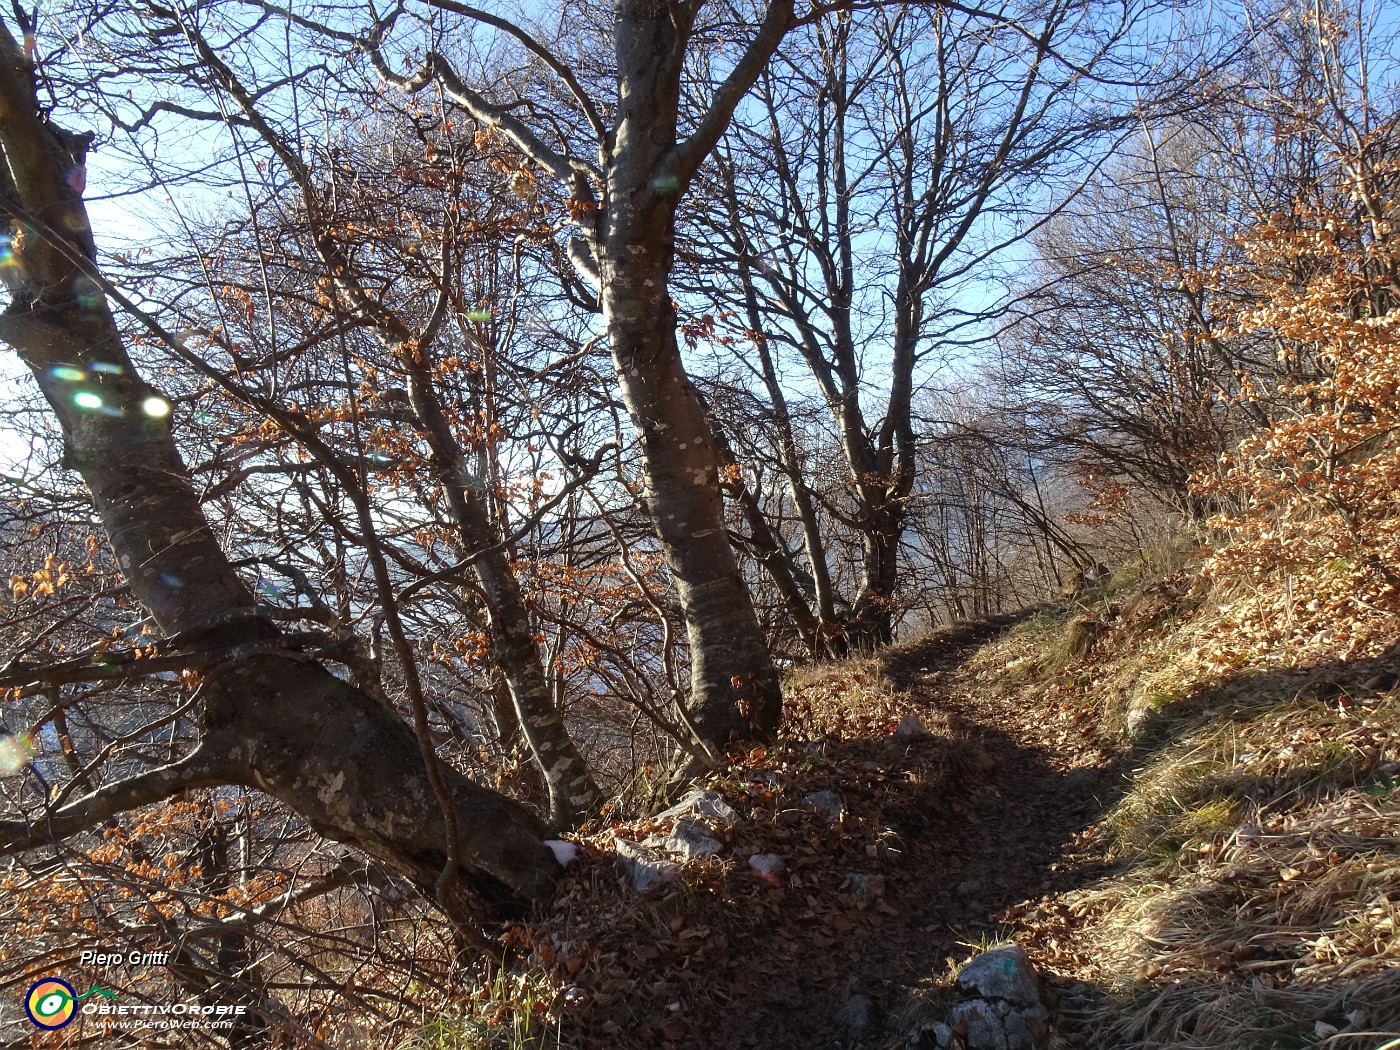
[
  {"x": 573, "y": 795},
  {"x": 734, "y": 685},
  {"x": 273, "y": 718}
]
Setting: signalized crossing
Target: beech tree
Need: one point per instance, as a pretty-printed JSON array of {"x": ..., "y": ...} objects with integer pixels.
[
  {"x": 272, "y": 716},
  {"x": 1309, "y": 500},
  {"x": 625, "y": 164},
  {"x": 1125, "y": 346},
  {"x": 1311, "y": 497},
  {"x": 308, "y": 734},
  {"x": 863, "y": 201},
  {"x": 337, "y": 343}
]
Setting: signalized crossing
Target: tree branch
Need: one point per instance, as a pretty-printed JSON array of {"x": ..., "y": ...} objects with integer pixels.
[
  {"x": 203, "y": 767},
  {"x": 688, "y": 155},
  {"x": 556, "y": 66},
  {"x": 567, "y": 169},
  {"x": 130, "y": 664}
]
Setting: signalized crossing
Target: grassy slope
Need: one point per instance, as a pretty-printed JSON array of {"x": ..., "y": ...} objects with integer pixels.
[{"x": 1258, "y": 831}]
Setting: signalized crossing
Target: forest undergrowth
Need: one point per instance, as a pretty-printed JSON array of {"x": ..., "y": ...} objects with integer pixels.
[{"x": 1191, "y": 859}]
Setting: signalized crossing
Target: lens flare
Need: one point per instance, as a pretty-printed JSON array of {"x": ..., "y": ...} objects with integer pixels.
[
  {"x": 66, "y": 374},
  {"x": 156, "y": 407},
  {"x": 51, "y": 1003},
  {"x": 89, "y": 294},
  {"x": 87, "y": 399},
  {"x": 16, "y": 752},
  {"x": 76, "y": 177}
]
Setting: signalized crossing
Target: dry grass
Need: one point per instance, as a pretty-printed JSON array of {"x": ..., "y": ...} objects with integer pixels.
[
  {"x": 1281, "y": 926},
  {"x": 1244, "y": 761},
  {"x": 1259, "y": 835},
  {"x": 1076, "y": 639}
]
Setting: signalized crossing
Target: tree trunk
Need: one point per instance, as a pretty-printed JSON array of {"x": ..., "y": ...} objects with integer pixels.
[
  {"x": 872, "y": 617},
  {"x": 734, "y": 685},
  {"x": 273, "y": 718},
  {"x": 573, "y": 796},
  {"x": 643, "y": 171},
  {"x": 885, "y": 468},
  {"x": 768, "y": 548},
  {"x": 236, "y": 975}
]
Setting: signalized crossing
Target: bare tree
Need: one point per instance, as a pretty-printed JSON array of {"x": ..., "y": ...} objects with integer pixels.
[
  {"x": 272, "y": 716},
  {"x": 1125, "y": 348},
  {"x": 648, "y": 149},
  {"x": 889, "y": 159},
  {"x": 1122, "y": 352}
]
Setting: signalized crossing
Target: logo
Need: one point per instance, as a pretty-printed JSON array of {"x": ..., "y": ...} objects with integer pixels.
[{"x": 52, "y": 1003}]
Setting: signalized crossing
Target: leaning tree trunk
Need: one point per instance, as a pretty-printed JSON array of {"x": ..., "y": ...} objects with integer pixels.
[
  {"x": 734, "y": 686},
  {"x": 273, "y": 718},
  {"x": 572, "y": 794}
]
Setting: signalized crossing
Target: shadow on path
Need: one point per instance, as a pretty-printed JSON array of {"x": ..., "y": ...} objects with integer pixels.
[{"x": 1010, "y": 825}]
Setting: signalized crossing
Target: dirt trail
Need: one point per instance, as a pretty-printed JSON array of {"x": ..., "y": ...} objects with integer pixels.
[
  {"x": 1019, "y": 833},
  {"x": 1012, "y": 830},
  {"x": 939, "y": 836}
]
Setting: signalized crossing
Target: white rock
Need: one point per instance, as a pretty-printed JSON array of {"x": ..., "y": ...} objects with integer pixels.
[
  {"x": 828, "y": 803},
  {"x": 564, "y": 852},
  {"x": 702, "y": 804},
  {"x": 688, "y": 839},
  {"x": 911, "y": 728},
  {"x": 767, "y": 863},
  {"x": 643, "y": 867}
]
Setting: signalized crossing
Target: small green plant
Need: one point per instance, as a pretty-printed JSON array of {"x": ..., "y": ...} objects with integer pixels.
[
  {"x": 443, "y": 1033},
  {"x": 1160, "y": 699},
  {"x": 1208, "y": 820},
  {"x": 1380, "y": 784},
  {"x": 509, "y": 1012}
]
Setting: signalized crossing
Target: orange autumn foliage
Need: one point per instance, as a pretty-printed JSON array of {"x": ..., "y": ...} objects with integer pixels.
[{"x": 1312, "y": 501}]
